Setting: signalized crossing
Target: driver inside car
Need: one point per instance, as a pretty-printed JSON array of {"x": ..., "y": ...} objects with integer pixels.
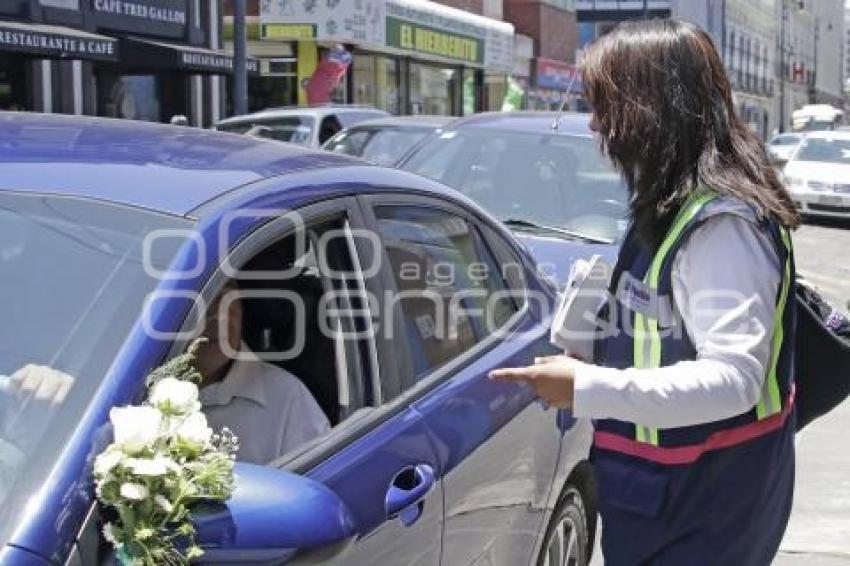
[{"x": 270, "y": 410}]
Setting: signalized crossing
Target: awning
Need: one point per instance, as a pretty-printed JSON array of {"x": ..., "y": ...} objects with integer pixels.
[
  {"x": 56, "y": 42},
  {"x": 173, "y": 56}
]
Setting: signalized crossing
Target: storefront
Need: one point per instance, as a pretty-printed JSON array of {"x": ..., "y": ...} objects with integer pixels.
[
  {"x": 137, "y": 59},
  {"x": 167, "y": 66},
  {"x": 30, "y": 54},
  {"x": 275, "y": 83},
  {"x": 408, "y": 57}
]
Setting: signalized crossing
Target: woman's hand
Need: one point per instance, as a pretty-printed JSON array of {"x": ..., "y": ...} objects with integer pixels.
[{"x": 551, "y": 377}]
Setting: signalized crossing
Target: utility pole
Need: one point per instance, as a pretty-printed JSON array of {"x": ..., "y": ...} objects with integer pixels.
[
  {"x": 645, "y": 9},
  {"x": 782, "y": 66},
  {"x": 240, "y": 71}
]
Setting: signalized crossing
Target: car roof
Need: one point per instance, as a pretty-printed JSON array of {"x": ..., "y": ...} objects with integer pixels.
[
  {"x": 315, "y": 111},
  {"x": 167, "y": 168},
  {"x": 569, "y": 123},
  {"x": 419, "y": 121},
  {"x": 828, "y": 134}
]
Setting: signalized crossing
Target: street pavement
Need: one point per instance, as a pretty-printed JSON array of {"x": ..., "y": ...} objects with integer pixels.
[{"x": 819, "y": 531}]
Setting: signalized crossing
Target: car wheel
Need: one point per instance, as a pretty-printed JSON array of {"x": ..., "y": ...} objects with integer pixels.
[{"x": 566, "y": 542}]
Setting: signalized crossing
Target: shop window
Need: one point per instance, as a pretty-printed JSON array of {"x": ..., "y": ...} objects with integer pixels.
[
  {"x": 271, "y": 91},
  {"x": 376, "y": 82},
  {"x": 434, "y": 90},
  {"x": 13, "y": 83},
  {"x": 495, "y": 89},
  {"x": 148, "y": 97}
]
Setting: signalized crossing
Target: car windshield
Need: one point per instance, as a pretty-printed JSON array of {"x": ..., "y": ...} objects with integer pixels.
[
  {"x": 535, "y": 180},
  {"x": 384, "y": 146},
  {"x": 75, "y": 275},
  {"x": 292, "y": 129},
  {"x": 825, "y": 150},
  {"x": 788, "y": 139}
]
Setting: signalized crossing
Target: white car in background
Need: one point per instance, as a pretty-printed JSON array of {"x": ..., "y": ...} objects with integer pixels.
[
  {"x": 782, "y": 146},
  {"x": 310, "y": 126},
  {"x": 818, "y": 174}
]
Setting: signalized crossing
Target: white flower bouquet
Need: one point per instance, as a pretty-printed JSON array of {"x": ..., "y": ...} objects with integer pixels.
[{"x": 164, "y": 457}]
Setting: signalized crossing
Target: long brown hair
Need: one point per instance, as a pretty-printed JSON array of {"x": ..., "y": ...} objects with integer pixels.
[{"x": 663, "y": 103}]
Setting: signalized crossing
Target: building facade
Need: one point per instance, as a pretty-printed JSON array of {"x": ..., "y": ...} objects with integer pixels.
[
  {"x": 744, "y": 32},
  {"x": 137, "y": 59},
  {"x": 408, "y": 56},
  {"x": 829, "y": 51},
  {"x": 797, "y": 58},
  {"x": 552, "y": 27},
  {"x": 847, "y": 55}
]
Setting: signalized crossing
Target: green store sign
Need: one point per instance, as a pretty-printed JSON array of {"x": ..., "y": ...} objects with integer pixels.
[{"x": 425, "y": 39}]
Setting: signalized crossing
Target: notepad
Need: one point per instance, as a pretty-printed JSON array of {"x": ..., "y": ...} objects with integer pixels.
[{"x": 574, "y": 326}]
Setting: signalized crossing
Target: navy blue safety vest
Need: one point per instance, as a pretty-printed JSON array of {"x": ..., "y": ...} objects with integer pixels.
[{"x": 644, "y": 330}]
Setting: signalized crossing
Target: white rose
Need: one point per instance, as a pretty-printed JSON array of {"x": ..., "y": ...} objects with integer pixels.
[
  {"x": 150, "y": 466},
  {"x": 105, "y": 461},
  {"x": 195, "y": 431},
  {"x": 164, "y": 503},
  {"x": 133, "y": 491},
  {"x": 135, "y": 428},
  {"x": 173, "y": 395}
]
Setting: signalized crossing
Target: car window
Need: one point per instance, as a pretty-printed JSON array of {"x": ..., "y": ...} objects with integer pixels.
[
  {"x": 388, "y": 145},
  {"x": 329, "y": 128},
  {"x": 544, "y": 179},
  {"x": 235, "y": 127},
  {"x": 349, "y": 142},
  {"x": 292, "y": 129},
  {"x": 451, "y": 291},
  {"x": 825, "y": 150},
  {"x": 296, "y": 337},
  {"x": 76, "y": 274},
  {"x": 788, "y": 139}
]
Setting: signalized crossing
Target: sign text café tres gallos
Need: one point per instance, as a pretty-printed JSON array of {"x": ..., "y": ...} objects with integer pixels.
[{"x": 142, "y": 11}]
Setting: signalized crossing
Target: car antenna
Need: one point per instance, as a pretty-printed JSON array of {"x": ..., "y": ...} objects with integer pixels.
[{"x": 557, "y": 121}]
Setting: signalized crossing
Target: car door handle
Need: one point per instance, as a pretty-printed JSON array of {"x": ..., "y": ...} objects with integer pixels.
[{"x": 407, "y": 491}]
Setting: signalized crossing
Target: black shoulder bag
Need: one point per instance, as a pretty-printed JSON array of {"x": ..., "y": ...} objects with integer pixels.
[{"x": 822, "y": 356}]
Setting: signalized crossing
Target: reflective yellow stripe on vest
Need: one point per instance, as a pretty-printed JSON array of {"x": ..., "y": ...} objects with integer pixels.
[
  {"x": 647, "y": 339},
  {"x": 770, "y": 402}
]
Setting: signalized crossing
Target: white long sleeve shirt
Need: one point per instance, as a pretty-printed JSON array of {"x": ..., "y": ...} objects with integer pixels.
[{"x": 725, "y": 282}]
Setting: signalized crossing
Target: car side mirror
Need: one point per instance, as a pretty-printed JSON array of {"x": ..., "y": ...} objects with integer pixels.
[{"x": 271, "y": 516}]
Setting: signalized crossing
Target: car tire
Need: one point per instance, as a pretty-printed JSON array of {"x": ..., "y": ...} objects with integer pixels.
[{"x": 567, "y": 542}]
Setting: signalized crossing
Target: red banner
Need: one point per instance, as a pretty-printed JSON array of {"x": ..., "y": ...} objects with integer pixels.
[{"x": 329, "y": 73}]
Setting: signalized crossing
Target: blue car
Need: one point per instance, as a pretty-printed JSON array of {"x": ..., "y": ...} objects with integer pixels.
[
  {"x": 541, "y": 174},
  {"x": 110, "y": 232}
]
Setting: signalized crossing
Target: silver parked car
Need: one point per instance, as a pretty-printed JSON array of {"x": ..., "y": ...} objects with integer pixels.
[
  {"x": 386, "y": 141},
  {"x": 309, "y": 126}
]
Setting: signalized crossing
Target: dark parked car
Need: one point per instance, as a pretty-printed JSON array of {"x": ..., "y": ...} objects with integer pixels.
[
  {"x": 385, "y": 141},
  {"x": 541, "y": 173},
  {"x": 109, "y": 233}
]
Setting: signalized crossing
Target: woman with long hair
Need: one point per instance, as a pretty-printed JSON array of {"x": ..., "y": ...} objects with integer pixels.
[{"x": 691, "y": 384}]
